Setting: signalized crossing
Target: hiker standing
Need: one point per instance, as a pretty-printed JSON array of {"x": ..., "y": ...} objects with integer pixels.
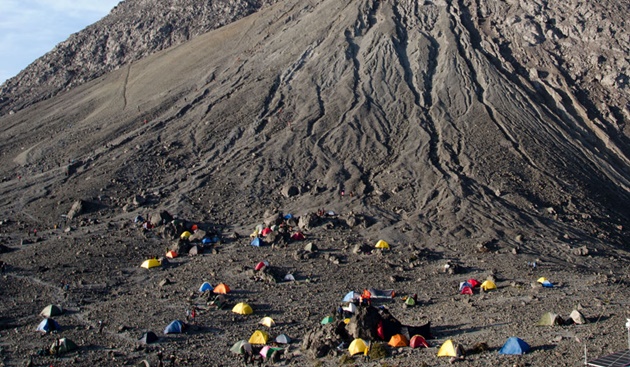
[
  {"x": 160, "y": 356},
  {"x": 193, "y": 314},
  {"x": 55, "y": 348},
  {"x": 100, "y": 326},
  {"x": 172, "y": 358}
]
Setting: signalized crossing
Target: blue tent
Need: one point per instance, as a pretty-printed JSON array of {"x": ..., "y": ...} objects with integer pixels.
[
  {"x": 288, "y": 216},
  {"x": 206, "y": 287},
  {"x": 174, "y": 327},
  {"x": 514, "y": 345},
  {"x": 351, "y": 296},
  {"x": 547, "y": 284},
  {"x": 206, "y": 241},
  {"x": 48, "y": 325},
  {"x": 256, "y": 242}
]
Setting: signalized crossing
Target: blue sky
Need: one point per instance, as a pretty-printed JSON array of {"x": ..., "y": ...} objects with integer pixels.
[{"x": 30, "y": 28}]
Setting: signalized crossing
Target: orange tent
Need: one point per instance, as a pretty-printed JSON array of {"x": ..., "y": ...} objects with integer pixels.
[
  {"x": 171, "y": 254},
  {"x": 398, "y": 340},
  {"x": 222, "y": 289}
]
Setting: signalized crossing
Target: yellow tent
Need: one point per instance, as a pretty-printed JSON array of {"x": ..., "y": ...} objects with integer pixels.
[
  {"x": 357, "y": 346},
  {"x": 267, "y": 321},
  {"x": 151, "y": 263},
  {"x": 185, "y": 235},
  {"x": 542, "y": 280},
  {"x": 243, "y": 309},
  {"x": 382, "y": 245},
  {"x": 488, "y": 285},
  {"x": 398, "y": 340},
  {"x": 447, "y": 349},
  {"x": 259, "y": 337}
]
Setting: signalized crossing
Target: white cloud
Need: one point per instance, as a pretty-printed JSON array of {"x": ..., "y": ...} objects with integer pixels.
[{"x": 30, "y": 28}]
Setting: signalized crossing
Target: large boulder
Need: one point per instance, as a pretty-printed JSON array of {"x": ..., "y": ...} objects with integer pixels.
[
  {"x": 272, "y": 217},
  {"x": 168, "y": 231},
  {"x": 308, "y": 221},
  {"x": 160, "y": 218},
  {"x": 181, "y": 247},
  {"x": 325, "y": 339},
  {"x": 290, "y": 191},
  {"x": 197, "y": 236},
  {"x": 77, "y": 208}
]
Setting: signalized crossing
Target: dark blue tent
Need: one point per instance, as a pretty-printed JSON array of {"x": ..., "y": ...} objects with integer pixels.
[
  {"x": 256, "y": 242},
  {"x": 48, "y": 325},
  {"x": 206, "y": 287},
  {"x": 174, "y": 327},
  {"x": 514, "y": 345},
  {"x": 148, "y": 337}
]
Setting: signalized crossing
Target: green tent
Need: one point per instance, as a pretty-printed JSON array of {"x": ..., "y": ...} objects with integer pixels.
[
  {"x": 410, "y": 301},
  {"x": 63, "y": 345},
  {"x": 327, "y": 320},
  {"x": 550, "y": 319},
  {"x": 241, "y": 346},
  {"x": 51, "y": 310}
]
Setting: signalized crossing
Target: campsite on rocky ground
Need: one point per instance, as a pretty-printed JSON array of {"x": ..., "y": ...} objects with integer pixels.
[{"x": 214, "y": 195}]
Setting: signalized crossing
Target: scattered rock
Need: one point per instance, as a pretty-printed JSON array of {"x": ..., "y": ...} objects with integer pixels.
[
  {"x": 138, "y": 200},
  {"x": 577, "y": 317},
  {"x": 290, "y": 191},
  {"x": 198, "y": 235},
  {"x": 310, "y": 247},
  {"x": 76, "y": 209},
  {"x": 308, "y": 221},
  {"x": 580, "y": 251}
]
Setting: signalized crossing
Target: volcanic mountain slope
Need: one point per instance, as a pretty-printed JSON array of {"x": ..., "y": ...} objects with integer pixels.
[
  {"x": 584, "y": 42},
  {"x": 133, "y": 29},
  {"x": 408, "y": 107}
]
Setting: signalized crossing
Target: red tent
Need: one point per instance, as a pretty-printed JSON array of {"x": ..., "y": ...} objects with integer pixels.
[
  {"x": 380, "y": 331},
  {"x": 265, "y": 232},
  {"x": 418, "y": 341},
  {"x": 261, "y": 265},
  {"x": 467, "y": 290},
  {"x": 473, "y": 282},
  {"x": 298, "y": 236}
]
